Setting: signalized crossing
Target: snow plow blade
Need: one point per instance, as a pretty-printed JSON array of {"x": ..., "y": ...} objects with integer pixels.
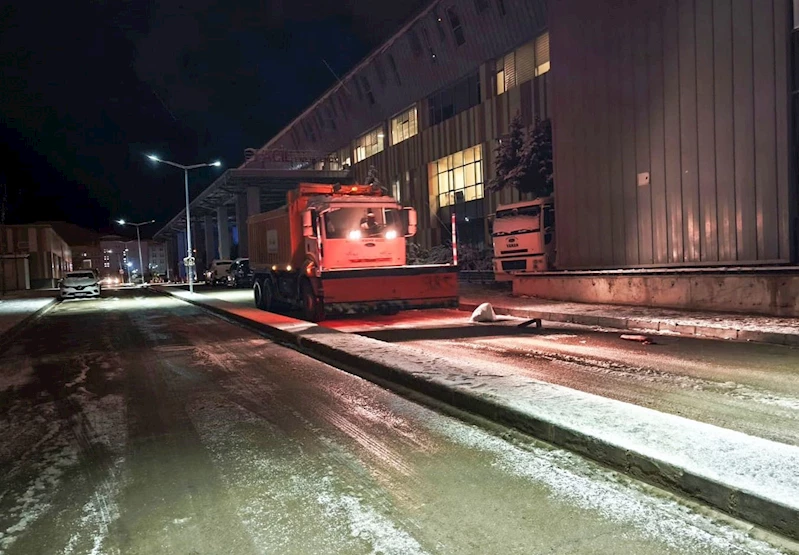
[{"x": 390, "y": 289}]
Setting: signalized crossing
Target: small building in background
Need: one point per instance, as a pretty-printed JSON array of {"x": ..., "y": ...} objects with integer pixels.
[{"x": 34, "y": 256}]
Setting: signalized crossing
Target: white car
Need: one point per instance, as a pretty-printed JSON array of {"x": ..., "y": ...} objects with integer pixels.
[
  {"x": 217, "y": 273},
  {"x": 83, "y": 283}
]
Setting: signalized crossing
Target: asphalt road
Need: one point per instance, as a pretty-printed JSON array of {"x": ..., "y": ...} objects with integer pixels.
[
  {"x": 752, "y": 388},
  {"x": 139, "y": 424}
]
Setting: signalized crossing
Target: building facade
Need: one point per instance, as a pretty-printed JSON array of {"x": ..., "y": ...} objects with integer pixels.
[
  {"x": 674, "y": 127},
  {"x": 38, "y": 252},
  {"x": 427, "y": 108}
]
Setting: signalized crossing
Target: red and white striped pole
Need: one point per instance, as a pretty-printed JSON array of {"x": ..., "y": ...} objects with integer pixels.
[{"x": 454, "y": 242}]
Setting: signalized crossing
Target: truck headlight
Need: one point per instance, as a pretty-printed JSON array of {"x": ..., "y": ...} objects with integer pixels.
[
  {"x": 355, "y": 234},
  {"x": 391, "y": 234}
]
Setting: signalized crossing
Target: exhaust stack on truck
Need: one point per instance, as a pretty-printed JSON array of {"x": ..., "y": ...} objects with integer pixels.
[{"x": 339, "y": 249}]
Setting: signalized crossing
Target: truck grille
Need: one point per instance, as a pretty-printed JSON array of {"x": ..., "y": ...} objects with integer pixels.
[{"x": 510, "y": 265}]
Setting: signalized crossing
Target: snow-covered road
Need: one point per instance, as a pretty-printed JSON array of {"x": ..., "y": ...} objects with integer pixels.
[{"x": 139, "y": 424}]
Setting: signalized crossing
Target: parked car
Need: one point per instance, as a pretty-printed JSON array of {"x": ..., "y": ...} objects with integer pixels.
[
  {"x": 239, "y": 274},
  {"x": 84, "y": 283},
  {"x": 217, "y": 272}
]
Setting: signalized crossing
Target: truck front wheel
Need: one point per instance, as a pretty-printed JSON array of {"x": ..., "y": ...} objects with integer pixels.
[
  {"x": 312, "y": 307},
  {"x": 262, "y": 291}
]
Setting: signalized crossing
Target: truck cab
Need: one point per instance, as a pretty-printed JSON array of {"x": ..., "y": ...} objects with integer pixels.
[
  {"x": 357, "y": 232},
  {"x": 523, "y": 235}
]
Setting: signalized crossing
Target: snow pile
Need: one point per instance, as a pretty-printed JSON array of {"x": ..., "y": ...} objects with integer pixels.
[{"x": 483, "y": 313}]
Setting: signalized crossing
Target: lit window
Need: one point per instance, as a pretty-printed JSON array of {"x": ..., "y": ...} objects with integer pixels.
[
  {"x": 106, "y": 264},
  {"x": 542, "y": 54},
  {"x": 404, "y": 126},
  {"x": 396, "y": 190},
  {"x": 458, "y": 177},
  {"x": 455, "y": 23},
  {"x": 526, "y": 62},
  {"x": 369, "y": 144}
]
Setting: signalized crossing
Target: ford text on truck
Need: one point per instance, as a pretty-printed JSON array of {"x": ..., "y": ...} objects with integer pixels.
[
  {"x": 341, "y": 249},
  {"x": 524, "y": 238}
]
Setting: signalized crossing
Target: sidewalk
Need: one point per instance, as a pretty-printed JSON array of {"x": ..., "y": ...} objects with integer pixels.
[
  {"x": 750, "y": 478},
  {"x": 736, "y": 327},
  {"x": 15, "y": 311}
]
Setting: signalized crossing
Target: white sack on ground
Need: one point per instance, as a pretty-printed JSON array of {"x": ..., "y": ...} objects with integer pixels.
[{"x": 483, "y": 313}]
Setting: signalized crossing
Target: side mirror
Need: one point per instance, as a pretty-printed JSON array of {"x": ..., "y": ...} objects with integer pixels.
[
  {"x": 308, "y": 224},
  {"x": 411, "y": 231}
]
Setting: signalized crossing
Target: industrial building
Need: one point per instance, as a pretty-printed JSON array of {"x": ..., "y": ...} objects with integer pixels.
[
  {"x": 34, "y": 256},
  {"x": 673, "y": 127}
]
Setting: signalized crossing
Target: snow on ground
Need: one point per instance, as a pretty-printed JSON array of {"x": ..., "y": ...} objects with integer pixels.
[
  {"x": 13, "y": 311},
  {"x": 764, "y": 468},
  {"x": 667, "y": 316},
  {"x": 593, "y": 488},
  {"x": 629, "y": 372}
]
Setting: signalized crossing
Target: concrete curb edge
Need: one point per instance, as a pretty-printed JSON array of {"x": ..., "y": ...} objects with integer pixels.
[
  {"x": 764, "y": 513},
  {"x": 648, "y": 326}
]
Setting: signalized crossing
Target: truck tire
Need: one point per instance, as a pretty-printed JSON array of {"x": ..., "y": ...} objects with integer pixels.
[
  {"x": 312, "y": 307},
  {"x": 262, "y": 290}
]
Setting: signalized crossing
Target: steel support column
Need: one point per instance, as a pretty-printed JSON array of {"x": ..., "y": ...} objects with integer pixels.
[
  {"x": 223, "y": 232},
  {"x": 241, "y": 224}
]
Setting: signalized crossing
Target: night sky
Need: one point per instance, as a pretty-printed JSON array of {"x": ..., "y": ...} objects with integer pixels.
[{"x": 89, "y": 87}]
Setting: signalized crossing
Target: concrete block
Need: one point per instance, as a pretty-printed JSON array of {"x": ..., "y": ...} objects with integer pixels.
[
  {"x": 762, "y": 337},
  {"x": 678, "y": 328},
  {"x": 635, "y": 324},
  {"x": 716, "y": 333}
]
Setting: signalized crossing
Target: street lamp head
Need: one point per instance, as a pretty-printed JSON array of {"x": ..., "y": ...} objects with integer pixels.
[
  {"x": 153, "y": 157},
  {"x": 217, "y": 163},
  {"x": 121, "y": 222}
]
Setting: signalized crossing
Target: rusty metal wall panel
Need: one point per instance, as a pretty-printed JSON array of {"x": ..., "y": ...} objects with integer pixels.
[
  {"x": 688, "y": 130},
  {"x": 657, "y": 138},
  {"x": 706, "y": 138},
  {"x": 671, "y": 72},
  {"x": 695, "y": 92},
  {"x": 643, "y": 162},
  {"x": 628, "y": 177},
  {"x": 765, "y": 136},
  {"x": 724, "y": 128},
  {"x": 785, "y": 212},
  {"x": 743, "y": 96}
]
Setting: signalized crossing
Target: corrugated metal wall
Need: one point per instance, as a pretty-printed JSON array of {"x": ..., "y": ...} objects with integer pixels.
[{"x": 694, "y": 92}]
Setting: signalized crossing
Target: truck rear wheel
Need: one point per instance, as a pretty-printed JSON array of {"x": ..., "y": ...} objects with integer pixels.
[
  {"x": 262, "y": 290},
  {"x": 312, "y": 307}
]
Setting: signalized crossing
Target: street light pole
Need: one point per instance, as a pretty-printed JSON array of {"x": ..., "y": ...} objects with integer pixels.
[
  {"x": 138, "y": 240},
  {"x": 189, "y": 269},
  {"x": 190, "y": 254}
]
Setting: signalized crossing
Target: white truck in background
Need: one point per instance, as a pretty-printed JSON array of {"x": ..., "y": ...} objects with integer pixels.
[{"x": 523, "y": 235}]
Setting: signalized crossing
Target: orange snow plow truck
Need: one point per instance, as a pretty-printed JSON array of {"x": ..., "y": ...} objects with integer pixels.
[{"x": 340, "y": 249}]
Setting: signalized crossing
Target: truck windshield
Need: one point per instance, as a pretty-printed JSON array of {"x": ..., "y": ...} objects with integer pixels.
[
  {"x": 517, "y": 220},
  {"x": 341, "y": 223}
]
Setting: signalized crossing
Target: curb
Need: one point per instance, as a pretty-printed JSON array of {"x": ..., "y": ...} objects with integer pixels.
[
  {"x": 650, "y": 326},
  {"x": 13, "y": 331},
  {"x": 743, "y": 505}
]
